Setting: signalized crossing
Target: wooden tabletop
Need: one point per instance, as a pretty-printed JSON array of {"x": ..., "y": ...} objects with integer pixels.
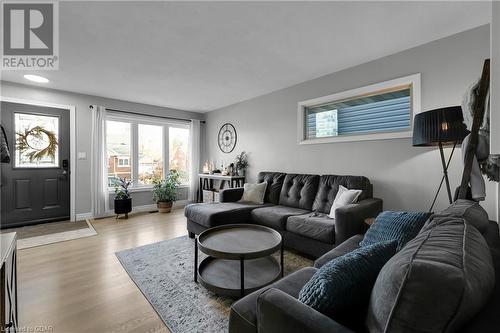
[{"x": 239, "y": 241}]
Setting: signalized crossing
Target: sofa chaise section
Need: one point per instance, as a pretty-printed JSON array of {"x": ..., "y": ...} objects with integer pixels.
[
  {"x": 210, "y": 215},
  {"x": 202, "y": 216}
]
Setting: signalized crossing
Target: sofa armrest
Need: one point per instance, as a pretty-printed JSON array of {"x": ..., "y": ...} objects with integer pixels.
[
  {"x": 279, "y": 312},
  {"x": 350, "y": 219},
  {"x": 231, "y": 194},
  {"x": 346, "y": 247}
]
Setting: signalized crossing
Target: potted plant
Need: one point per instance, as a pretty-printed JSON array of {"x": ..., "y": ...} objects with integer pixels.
[
  {"x": 241, "y": 163},
  {"x": 165, "y": 191},
  {"x": 123, "y": 201}
]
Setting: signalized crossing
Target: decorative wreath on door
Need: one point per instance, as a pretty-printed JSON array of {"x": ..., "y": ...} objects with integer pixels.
[{"x": 37, "y": 143}]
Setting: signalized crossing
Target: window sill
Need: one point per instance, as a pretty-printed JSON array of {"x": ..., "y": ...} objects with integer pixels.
[
  {"x": 354, "y": 138},
  {"x": 144, "y": 188}
]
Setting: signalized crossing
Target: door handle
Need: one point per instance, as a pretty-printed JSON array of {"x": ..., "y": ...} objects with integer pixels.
[{"x": 65, "y": 167}]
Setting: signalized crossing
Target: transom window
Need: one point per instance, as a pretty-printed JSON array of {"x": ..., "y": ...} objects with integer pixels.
[
  {"x": 380, "y": 111},
  {"x": 144, "y": 149}
]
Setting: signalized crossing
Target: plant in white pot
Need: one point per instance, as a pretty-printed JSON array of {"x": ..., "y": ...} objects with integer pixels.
[{"x": 165, "y": 191}]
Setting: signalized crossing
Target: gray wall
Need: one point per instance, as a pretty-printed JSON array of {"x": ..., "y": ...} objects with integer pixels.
[
  {"x": 404, "y": 176},
  {"x": 83, "y": 130}
]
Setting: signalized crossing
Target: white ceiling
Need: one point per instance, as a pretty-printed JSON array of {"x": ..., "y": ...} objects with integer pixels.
[{"x": 206, "y": 55}]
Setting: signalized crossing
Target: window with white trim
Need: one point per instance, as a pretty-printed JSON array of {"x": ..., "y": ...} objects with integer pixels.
[
  {"x": 123, "y": 162},
  {"x": 380, "y": 111},
  {"x": 145, "y": 148}
]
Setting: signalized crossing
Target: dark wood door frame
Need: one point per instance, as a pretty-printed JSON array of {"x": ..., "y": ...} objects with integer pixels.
[{"x": 72, "y": 141}]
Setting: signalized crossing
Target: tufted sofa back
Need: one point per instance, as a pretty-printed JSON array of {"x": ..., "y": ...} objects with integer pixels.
[
  {"x": 299, "y": 191},
  {"x": 274, "y": 182},
  {"x": 329, "y": 186}
]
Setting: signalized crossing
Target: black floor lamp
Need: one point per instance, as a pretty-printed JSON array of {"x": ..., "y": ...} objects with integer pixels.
[{"x": 440, "y": 127}]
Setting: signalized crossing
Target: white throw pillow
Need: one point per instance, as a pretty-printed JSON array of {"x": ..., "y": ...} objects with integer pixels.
[
  {"x": 344, "y": 197},
  {"x": 254, "y": 193}
]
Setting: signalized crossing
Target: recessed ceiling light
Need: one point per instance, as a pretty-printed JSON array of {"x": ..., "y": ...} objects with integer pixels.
[{"x": 36, "y": 78}]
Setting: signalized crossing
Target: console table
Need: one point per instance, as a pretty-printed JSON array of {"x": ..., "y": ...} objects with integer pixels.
[
  {"x": 8, "y": 287},
  {"x": 207, "y": 180}
]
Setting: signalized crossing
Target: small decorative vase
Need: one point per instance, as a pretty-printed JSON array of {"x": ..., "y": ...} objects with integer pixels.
[{"x": 164, "y": 206}]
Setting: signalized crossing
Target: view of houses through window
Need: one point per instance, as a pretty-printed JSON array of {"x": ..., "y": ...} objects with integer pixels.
[
  {"x": 178, "y": 151},
  {"x": 150, "y": 153},
  {"x": 118, "y": 140},
  {"x": 141, "y": 156}
]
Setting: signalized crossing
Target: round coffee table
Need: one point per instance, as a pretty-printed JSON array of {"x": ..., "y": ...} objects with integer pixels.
[{"x": 239, "y": 258}]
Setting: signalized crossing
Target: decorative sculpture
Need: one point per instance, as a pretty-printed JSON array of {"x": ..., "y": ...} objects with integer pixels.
[{"x": 475, "y": 147}]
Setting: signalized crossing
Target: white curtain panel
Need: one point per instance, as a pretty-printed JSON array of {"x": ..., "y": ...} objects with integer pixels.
[
  {"x": 99, "y": 177},
  {"x": 194, "y": 158}
]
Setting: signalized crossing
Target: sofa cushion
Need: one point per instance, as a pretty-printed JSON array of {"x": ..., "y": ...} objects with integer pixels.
[
  {"x": 343, "y": 198},
  {"x": 243, "y": 317},
  {"x": 437, "y": 282},
  {"x": 345, "y": 247},
  {"x": 343, "y": 285},
  {"x": 275, "y": 216},
  {"x": 254, "y": 192},
  {"x": 329, "y": 185},
  {"x": 299, "y": 191},
  {"x": 313, "y": 225},
  {"x": 214, "y": 214},
  {"x": 274, "y": 182},
  {"x": 401, "y": 226},
  {"x": 469, "y": 210}
]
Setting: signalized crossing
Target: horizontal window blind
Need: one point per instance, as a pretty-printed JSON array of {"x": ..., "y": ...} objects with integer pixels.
[{"x": 384, "y": 112}]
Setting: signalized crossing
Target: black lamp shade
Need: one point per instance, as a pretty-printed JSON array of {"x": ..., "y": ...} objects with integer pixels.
[{"x": 444, "y": 125}]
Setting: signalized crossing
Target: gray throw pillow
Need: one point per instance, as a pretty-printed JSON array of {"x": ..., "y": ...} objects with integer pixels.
[
  {"x": 254, "y": 193},
  {"x": 436, "y": 283}
]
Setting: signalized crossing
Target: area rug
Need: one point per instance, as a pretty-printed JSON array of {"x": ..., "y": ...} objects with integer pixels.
[
  {"x": 49, "y": 233},
  {"x": 163, "y": 272}
]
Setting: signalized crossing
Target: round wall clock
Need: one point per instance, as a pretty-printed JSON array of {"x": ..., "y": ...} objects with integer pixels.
[{"x": 227, "y": 138}]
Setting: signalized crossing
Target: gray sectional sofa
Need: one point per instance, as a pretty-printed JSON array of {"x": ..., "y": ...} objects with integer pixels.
[
  {"x": 444, "y": 280},
  {"x": 296, "y": 205}
]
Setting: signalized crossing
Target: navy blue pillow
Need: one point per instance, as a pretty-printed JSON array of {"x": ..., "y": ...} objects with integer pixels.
[
  {"x": 400, "y": 226},
  {"x": 346, "y": 282}
]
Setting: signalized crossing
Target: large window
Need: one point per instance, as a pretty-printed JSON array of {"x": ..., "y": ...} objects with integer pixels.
[
  {"x": 178, "y": 151},
  {"x": 144, "y": 150},
  {"x": 118, "y": 139},
  {"x": 379, "y": 111},
  {"x": 150, "y": 153}
]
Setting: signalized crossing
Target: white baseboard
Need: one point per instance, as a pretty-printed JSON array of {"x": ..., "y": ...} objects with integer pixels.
[
  {"x": 135, "y": 209},
  {"x": 84, "y": 216}
]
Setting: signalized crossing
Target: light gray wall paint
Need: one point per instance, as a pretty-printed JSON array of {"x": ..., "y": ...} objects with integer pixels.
[
  {"x": 405, "y": 177},
  {"x": 145, "y": 197},
  {"x": 83, "y": 130}
]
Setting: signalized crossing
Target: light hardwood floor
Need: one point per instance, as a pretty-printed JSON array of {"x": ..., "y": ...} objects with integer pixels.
[{"x": 80, "y": 286}]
